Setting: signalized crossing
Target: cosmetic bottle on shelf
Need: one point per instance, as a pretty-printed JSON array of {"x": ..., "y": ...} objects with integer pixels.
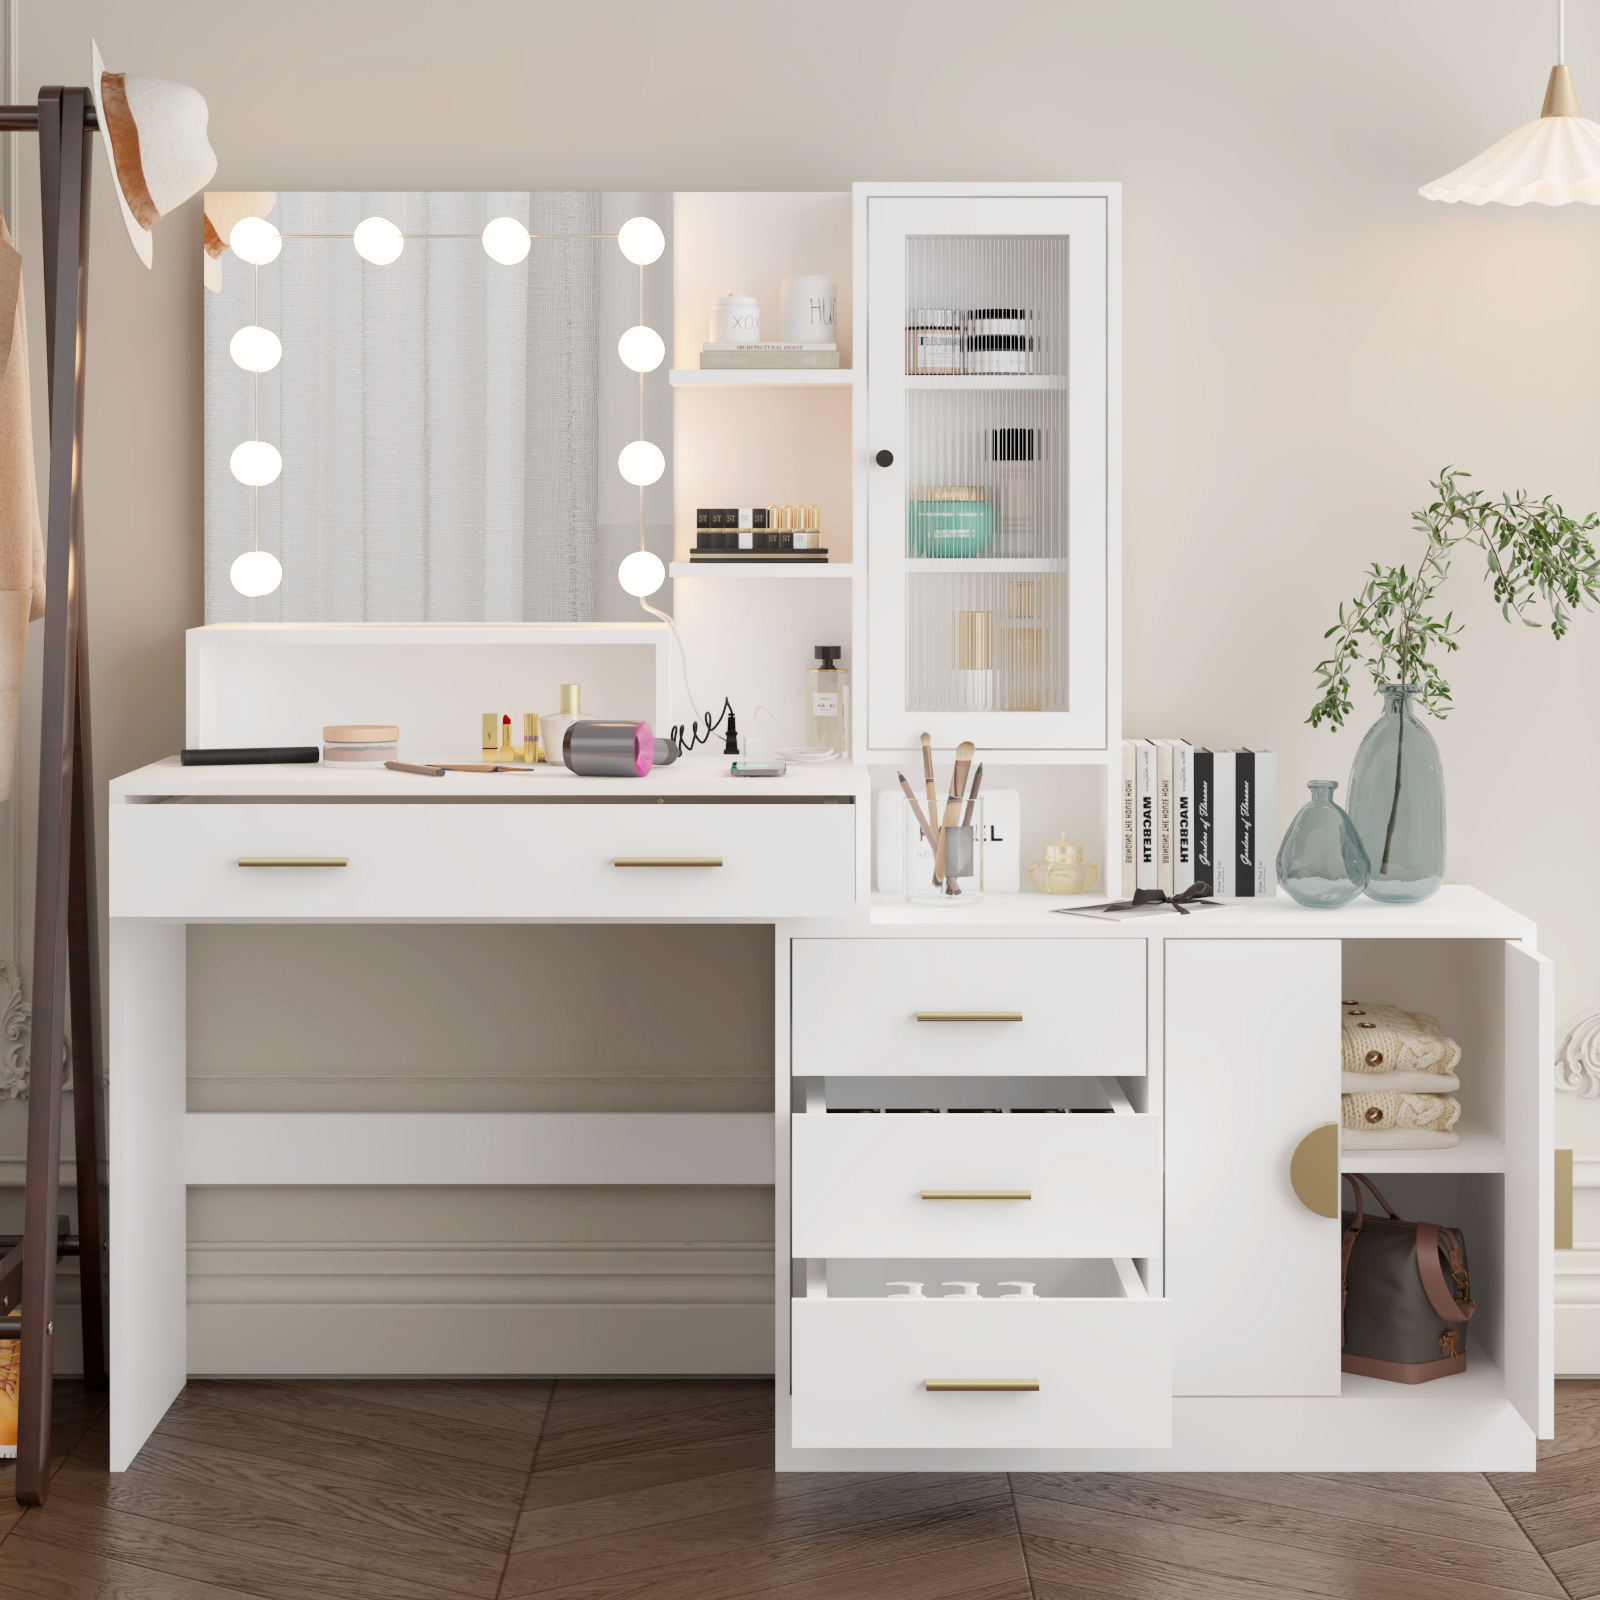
[{"x": 828, "y": 703}]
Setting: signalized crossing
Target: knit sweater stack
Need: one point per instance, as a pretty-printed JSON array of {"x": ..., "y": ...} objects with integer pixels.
[{"x": 1398, "y": 1070}]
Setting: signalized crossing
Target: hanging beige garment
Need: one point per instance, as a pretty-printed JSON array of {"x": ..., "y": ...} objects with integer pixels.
[{"x": 21, "y": 544}]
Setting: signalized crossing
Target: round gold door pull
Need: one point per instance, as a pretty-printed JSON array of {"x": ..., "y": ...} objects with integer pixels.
[{"x": 1314, "y": 1170}]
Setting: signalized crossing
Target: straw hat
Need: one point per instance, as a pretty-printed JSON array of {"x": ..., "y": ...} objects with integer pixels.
[{"x": 155, "y": 136}]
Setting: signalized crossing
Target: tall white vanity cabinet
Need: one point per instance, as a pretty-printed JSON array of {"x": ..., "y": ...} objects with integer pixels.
[{"x": 1003, "y": 1096}]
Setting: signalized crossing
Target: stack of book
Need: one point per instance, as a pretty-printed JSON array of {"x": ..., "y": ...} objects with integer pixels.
[
  {"x": 748, "y": 357},
  {"x": 1196, "y": 815}
]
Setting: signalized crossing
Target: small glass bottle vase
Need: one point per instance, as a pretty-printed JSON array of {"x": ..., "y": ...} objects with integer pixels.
[
  {"x": 1321, "y": 862},
  {"x": 1397, "y": 801}
]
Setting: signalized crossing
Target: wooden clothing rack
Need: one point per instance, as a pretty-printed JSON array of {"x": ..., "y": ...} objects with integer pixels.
[{"x": 66, "y": 935}]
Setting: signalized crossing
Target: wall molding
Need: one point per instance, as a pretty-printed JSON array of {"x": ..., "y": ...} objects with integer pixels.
[
  {"x": 1578, "y": 1055},
  {"x": 16, "y": 1038}
]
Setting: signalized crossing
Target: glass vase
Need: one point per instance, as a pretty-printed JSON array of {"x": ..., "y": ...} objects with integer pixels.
[
  {"x": 1321, "y": 862},
  {"x": 1397, "y": 801}
]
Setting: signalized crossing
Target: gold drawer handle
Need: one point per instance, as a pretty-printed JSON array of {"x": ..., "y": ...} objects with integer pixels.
[
  {"x": 969, "y": 1016},
  {"x": 954, "y": 1385},
  {"x": 666, "y": 861},
  {"x": 294, "y": 861},
  {"x": 977, "y": 1194}
]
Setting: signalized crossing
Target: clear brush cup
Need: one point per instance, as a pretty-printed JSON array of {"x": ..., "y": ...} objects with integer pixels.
[{"x": 961, "y": 881}]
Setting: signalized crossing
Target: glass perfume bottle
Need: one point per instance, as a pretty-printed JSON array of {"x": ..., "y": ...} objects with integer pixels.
[
  {"x": 1321, "y": 862},
  {"x": 1063, "y": 870},
  {"x": 828, "y": 703}
]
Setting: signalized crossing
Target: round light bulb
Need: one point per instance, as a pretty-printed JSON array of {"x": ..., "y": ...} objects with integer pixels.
[
  {"x": 256, "y": 573},
  {"x": 641, "y": 349},
  {"x": 641, "y": 241},
  {"x": 255, "y": 240},
  {"x": 256, "y": 463},
  {"x": 256, "y": 349},
  {"x": 641, "y": 463},
  {"x": 641, "y": 573},
  {"x": 378, "y": 240},
  {"x": 507, "y": 241}
]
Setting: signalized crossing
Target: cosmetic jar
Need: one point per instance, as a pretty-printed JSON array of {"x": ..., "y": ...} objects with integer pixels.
[
  {"x": 933, "y": 341},
  {"x": 360, "y": 745}
]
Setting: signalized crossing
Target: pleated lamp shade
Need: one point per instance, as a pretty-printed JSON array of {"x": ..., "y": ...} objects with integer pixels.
[{"x": 1553, "y": 160}]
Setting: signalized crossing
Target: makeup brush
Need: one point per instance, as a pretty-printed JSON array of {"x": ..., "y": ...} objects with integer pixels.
[
  {"x": 916, "y": 811},
  {"x": 952, "y": 807},
  {"x": 933, "y": 807},
  {"x": 972, "y": 799}
]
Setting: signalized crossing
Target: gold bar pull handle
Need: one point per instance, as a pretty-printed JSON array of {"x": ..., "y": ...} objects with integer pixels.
[
  {"x": 977, "y": 1194},
  {"x": 1563, "y": 1199},
  {"x": 956, "y": 1385},
  {"x": 294, "y": 861},
  {"x": 666, "y": 861},
  {"x": 969, "y": 1016}
]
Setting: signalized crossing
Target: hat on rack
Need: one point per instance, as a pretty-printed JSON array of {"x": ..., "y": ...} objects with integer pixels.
[{"x": 155, "y": 135}]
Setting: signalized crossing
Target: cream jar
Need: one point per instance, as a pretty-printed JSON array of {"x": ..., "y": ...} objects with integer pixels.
[
  {"x": 360, "y": 745},
  {"x": 736, "y": 319}
]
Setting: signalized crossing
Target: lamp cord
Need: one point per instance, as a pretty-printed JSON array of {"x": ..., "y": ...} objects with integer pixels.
[{"x": 1561, "y": 33}]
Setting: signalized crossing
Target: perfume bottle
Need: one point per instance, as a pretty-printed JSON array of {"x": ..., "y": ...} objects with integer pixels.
[
  {"x": 828, "y": 703},
  {"x": 1063, "y": 870}
]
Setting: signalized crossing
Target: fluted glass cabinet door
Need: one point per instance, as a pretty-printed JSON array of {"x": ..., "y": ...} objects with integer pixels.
[{"x": 988, "y": 385}]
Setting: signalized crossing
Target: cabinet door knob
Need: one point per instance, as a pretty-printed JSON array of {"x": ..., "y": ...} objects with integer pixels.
[
  {"x": 885, "y": 458},
  {"x": 1314, "y": 1170}
]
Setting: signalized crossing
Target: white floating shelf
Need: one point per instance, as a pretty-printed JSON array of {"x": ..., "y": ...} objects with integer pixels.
[
  {"x": 986, "y": 564},
  {"x": 762, "y": 378},
  {"x": 1479, "y": 1151},
  {"x": 983, "y": 380},
  {"x": 763, "y": 569}
]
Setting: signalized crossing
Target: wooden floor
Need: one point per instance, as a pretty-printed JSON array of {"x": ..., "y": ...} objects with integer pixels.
[{"x": 664, "y": 1491}]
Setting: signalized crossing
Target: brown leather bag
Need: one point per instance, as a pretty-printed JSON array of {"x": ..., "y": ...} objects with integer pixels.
[{"x": 1404, "y": 1318}]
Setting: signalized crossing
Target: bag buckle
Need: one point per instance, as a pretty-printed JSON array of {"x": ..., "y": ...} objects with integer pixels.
[{"x": 1449, "y": 1344}]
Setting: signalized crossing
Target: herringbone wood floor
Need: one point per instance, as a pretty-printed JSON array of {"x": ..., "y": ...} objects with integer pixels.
[{"x": 664, "y": 1491}]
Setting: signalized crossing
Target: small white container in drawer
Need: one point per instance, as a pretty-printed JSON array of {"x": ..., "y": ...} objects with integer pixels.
[
  {"x": 1102, "y": 1362},
  {"x": 1020, "y": 1006},
  {"x": 1022, "y": 1184},
  {"x": 500, "y": 861}
]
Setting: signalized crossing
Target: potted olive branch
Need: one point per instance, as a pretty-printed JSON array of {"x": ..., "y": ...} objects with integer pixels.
[{"x": 1537, "y": 556}]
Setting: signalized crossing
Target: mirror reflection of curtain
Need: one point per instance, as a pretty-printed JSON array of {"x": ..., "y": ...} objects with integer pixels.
[{"x": 438, "y": 417}]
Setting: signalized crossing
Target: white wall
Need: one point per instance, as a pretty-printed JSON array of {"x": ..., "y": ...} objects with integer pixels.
[{"x": 1307, "y": 341}]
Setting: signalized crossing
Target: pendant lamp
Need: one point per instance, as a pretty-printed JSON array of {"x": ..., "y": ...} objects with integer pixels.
[{"x": 1554, "y": 160}]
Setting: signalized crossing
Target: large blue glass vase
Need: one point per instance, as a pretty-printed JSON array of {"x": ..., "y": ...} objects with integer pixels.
[
  {"x": 1396, "y": 797},
  {"x": 1321, "y": 862}
]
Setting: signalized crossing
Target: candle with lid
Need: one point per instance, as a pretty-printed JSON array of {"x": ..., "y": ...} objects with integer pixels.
[{"x": 360, "y": 744}]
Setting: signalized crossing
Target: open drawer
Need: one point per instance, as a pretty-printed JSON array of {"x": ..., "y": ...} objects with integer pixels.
[
  {"x": 1088, "y": 1367},
  {"x": 1022, "y": 1183}
]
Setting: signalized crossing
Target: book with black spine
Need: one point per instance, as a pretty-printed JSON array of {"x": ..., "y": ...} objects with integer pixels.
[
  {"x": 1224, "y": 827},
  {"x": 1266, "y": 798},
  {"x": 1164, "y": 815},
  {"x": 1129, "y": 832},
  {"x": 1245, "y": 844},
  {"x": 1145, "y": 868},
  {"x": 1204, "y": 765},
  {"x": 1182, "y": 815}
]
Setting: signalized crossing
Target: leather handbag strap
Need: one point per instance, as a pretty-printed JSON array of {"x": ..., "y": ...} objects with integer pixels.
[
  {"x": 1350, "y": 1235},
  {"x": 1440, "y": 1294},
  {"x": 1359, "y": 1178}
]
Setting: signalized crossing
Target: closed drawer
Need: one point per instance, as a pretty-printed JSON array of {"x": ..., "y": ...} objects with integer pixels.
[
  {"x": 1074, "y": 1185},
  {"x": 1102, "y": 1365},
  {"x": 1069, "y": 1006},
  {"x": 491, "y": 861}
]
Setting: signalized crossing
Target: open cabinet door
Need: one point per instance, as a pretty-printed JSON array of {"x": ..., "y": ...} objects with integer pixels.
[{"x": 1530, "y": 1355}]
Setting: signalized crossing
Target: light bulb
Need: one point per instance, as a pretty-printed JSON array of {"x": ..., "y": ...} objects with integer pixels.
[
  {"x": 640, "y": 462},
  {"x": 641, "y": 241},
  {"x": 256, "y": 463},
  {"x": 255, "y": 240},
  {"x": 641, "y": 349},
  {"x": 378, "y": 240},
  {"x": 641, "y": 573},
  {"x": 507, "y": 241},
  {"x": 256, "y": 349},
  {"x": 256, "y": 573}
]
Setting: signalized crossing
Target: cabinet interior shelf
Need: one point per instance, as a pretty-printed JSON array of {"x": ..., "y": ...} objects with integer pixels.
[
  {"x": 763, "y": 569},
  {"x": 986, "y": 564},
  {"x": 761, "y": 378},
  {"x": 1479, "y": 1151},
  {"x": 986, "y": 380}
]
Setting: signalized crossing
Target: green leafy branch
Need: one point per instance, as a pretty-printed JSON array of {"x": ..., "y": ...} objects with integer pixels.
[{"x": 1536, "y": 556}]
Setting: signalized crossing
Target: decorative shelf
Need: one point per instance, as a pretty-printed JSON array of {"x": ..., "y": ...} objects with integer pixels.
[
  {"x": 763, "y": 569},
  {"x": 983, "y": 380},
  {"x": 1479, "y": 1151},
  {"x": 986, "y": 564},
  {"x": 762, "y": 378}
]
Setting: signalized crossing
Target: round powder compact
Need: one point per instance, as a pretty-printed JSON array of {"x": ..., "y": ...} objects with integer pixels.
[{"x": 360, "y": 745}]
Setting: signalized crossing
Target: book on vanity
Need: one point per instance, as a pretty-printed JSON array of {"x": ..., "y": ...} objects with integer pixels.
[
  {"x": 1203, "y": 765},
  {"x": 767, "y": 345},
  {"x": 1126, "y": 853},
  {"x": 1182, "y": 815},
  {"x": 1144, "y": 800},
  {"x": 807, "y": 359},
  {"x": 1163, "y": 814},
  {"x": 1223, "y": 830}
]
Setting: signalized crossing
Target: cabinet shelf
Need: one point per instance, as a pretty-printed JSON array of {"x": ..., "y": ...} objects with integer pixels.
[
  {"x": 986, "y": 380},
  {"x": 761, "y": 378},
  {"x": 1479, "y": 1151},
  {"x": 762, "y": 569},
  {"x": 953, "y": 564}
]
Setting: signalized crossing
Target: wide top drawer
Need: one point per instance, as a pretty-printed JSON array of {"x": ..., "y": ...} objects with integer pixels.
[
  {"x": 931, "y": 1007},
  {"x": 488, "y": 861}
]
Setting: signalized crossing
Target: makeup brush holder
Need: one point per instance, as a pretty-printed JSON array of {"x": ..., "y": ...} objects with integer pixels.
[{"x": 963, "y": 852}]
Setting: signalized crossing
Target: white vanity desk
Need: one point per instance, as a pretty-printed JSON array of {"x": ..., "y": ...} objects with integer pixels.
[{"x": 1188, "y": 1310}]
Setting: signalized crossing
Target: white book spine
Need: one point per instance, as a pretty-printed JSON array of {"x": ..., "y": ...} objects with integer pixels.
[
  {"x": 1225, "y": 825},
  {"x": 1182, "y": 815},
  {"x": 1130, "y": 832},
  {"x": 1266, "y": 822},
  {"x": 1145, "y": 816},
  {"x": 1164, "y": 815}
]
